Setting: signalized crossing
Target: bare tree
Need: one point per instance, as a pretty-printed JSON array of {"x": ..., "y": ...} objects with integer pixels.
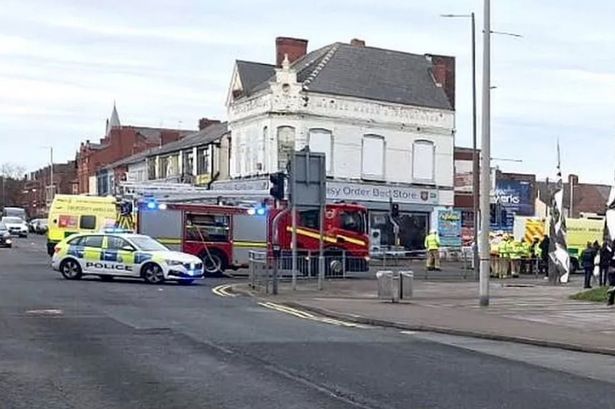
[
  {"x": 12, "y": 171},
  {"x": 11, "y": 184}
]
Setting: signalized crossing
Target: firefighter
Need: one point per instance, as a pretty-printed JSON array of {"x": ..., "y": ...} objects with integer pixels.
[
  {"x": 535, "y": 255},
  {"x": 432, "y": 244},
  {"x": 503, "y": 256},
  {"x": 526, "y": 257},
  {"x": 515, "y": 252}
]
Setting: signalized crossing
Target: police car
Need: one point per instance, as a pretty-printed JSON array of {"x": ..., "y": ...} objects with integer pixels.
[{"x": 112, "y": 254}]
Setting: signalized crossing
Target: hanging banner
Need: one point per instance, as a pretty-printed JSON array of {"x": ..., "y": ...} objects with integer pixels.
[{"x": 449, "y": 228}]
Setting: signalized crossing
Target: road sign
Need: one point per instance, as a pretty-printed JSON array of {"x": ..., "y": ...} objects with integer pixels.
[{"x": 307, "y": 179}]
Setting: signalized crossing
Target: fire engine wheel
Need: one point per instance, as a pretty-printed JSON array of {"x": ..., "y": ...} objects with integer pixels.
[
  {"x": 152, "y": 273},
  {"x": 70, "y": 269},
  {"x": 213, "y": 263},
  {"x": 334, "y": 260}
]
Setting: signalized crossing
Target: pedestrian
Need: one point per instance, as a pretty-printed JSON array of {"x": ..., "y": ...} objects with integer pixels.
[
  {"x": 605, "y": 261},
  {"x": 432, "y": 244},
  {"x": 587, "y": 258},
  {"x": 544, "y": 256},
  {"x": 596, "y": 271}
]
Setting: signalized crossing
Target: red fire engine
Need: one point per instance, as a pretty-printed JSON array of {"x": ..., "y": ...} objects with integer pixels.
[{"x": 224, "y": 235}]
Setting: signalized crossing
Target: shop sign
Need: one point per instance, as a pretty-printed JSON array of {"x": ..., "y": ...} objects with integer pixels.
[
  {"x": 449, "y": 228},
  {"x": 380, "y": 193}
]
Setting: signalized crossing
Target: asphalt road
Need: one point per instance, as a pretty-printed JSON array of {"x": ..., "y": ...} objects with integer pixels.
[{"x": 125, "y": 344}]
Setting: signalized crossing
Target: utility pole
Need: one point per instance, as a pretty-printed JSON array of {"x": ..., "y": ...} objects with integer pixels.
[
  {"x": 475, "y": 167},
  {"x": 485, "y": 177},
  {"x": 475, "y": 158}
]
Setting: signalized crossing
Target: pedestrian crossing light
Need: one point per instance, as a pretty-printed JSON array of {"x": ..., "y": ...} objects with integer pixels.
[{"x": 277, "y": 185}]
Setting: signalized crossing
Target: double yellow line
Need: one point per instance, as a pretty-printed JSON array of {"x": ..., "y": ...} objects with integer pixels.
[
  {"x": 222, "y": 291},
  {"x": 307, "y": 316}
]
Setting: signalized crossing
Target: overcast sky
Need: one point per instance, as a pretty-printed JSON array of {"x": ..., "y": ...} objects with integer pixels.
[{"x": 168, "y": 62}]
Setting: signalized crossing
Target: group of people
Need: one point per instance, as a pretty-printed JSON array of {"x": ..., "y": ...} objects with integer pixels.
[
  {"x": 510, "y": 257},
  {"x": 597, "y": 261}
]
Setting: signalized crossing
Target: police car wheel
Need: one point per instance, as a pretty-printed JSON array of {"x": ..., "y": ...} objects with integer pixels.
[
  {"x": 152, "y": 273},
  {"x": 70, "y": 269}
]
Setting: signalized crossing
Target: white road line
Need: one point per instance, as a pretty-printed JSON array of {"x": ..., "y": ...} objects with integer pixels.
[
  {"x": 305, "y": 315},
  {"x": 222, "y": 291}
]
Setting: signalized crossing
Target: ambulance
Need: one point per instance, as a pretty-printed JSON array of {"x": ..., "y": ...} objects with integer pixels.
[{"x": 72, "y": 214}]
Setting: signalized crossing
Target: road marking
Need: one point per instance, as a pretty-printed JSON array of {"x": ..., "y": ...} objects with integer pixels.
[
  {"x": 45, "y": 312},
  {"x": 408, "y": 332},
  {"x": 222, "y": 291},
  {"x": 307, "y": 316}
]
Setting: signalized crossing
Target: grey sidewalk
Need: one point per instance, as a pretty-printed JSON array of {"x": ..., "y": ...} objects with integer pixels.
[{"x": 524, "y": 310}]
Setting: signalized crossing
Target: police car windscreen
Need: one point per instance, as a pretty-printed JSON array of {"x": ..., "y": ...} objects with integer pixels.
[{"x": 145, "y": 243}]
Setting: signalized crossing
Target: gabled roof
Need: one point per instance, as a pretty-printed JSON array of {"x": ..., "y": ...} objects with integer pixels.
[
  {"x": 362, "y": 72},
  {"x": 252, "y": 74}
]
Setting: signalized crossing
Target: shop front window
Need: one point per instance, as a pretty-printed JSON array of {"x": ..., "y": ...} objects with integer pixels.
[{"x": 413, "y": 227}]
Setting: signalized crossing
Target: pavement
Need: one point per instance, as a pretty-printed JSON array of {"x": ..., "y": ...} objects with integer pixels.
[
  {"x": 126, "y": 345},
  {"x": 526, "y": 310}
]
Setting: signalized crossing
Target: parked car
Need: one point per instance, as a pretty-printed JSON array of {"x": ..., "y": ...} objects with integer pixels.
[
  {"x": 16, "y": 226},
  {"x": 32, "y": 225},
  {"x": 5, "y": 236},
  {"x": 42, "y": 226}
]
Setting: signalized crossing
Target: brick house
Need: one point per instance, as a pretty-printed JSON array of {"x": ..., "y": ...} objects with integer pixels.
[
  {"x": 37, "y": 193},
  {"x": 586, "y": 197},
  {"x": 120, "y": 141}
]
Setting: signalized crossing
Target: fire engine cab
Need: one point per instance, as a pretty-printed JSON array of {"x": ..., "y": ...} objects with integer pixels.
[{"x": 222, "y": 236}]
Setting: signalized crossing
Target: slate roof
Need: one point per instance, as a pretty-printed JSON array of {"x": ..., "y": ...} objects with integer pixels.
[
  {"x": 588, "y": 197},
  {"x": 363, "y": 72},
  {"x": 211, "y": 133}
]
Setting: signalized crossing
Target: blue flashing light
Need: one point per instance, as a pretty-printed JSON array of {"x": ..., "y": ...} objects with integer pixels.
[
  {"x": 260, "y": 211},
  {"x": 116, "y": 230},
  {"x": 151, "y": 205}
]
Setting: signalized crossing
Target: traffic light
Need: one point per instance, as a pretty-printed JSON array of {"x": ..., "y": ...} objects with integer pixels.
[
  {"x": 277, "y": 181},
  {"x": 394, "y": 210}
]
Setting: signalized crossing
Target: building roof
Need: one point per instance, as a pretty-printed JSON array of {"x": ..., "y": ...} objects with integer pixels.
[
  {"x": 114, "y": 120},
  {"x": 209, "y": 134},
  {"x": 137, "y": 157},
  {"x": 362, "y": 72},
  {"x": 587, "y": 197},
  {"x": 253, "y": 74}
]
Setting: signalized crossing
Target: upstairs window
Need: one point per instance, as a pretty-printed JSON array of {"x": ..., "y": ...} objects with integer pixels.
[
  {"x": 321, "y": 141},
  {"x": 286, "y": 145},
  {"x": 423, "y": 161},
  {"x": 372, "y": 157},
  {"x": 202, "y": 161}
]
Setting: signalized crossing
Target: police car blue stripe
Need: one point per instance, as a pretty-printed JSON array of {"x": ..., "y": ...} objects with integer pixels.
[
  {"x": 108, "y": 255},
  {"x": 142, "y": 257}
]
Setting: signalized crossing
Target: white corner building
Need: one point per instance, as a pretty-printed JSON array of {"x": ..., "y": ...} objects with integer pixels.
[{"x": 385, "y": 120}]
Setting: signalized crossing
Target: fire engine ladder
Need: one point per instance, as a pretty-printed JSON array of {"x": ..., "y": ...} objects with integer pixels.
[{"x": 181, "y": 192}]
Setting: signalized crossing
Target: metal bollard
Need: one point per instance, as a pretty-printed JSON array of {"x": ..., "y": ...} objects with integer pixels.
[
  {"x": 406, "y": 284},
  {"x": 386, "y": 286}
]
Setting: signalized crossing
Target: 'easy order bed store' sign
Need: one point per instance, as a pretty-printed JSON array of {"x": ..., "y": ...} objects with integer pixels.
[{"x": 380, "y": 193}]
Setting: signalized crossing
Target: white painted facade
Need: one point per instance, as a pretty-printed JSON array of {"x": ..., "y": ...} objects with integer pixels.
[{"x": 371, "y": 143}]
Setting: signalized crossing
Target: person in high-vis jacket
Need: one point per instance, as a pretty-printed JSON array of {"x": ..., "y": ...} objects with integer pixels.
[
  {"x": 515, "y": 252},
  {"x": 503, "y": 260},
  {"x": 432, "y": 244},
  {"x": 494, "y": 253}
]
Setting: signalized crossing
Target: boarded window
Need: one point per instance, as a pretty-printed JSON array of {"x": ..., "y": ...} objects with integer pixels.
[
  {"x": 286, "y": 145},
  {"x": 372, "y": 166},
  {"x": 321, "y": 141},
  {"x": 423, "y": 161}
]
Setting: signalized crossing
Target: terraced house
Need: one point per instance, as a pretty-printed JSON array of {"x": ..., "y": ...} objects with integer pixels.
[{"x": 385, "y": 120}]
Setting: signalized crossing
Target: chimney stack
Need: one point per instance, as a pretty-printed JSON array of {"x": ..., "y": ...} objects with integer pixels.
[
  {"x": 444, "y": 74},
  {"x": 295, "y": 48},
  {"x": 355, "y": 42},
  {"x": 205, "y": 122}
]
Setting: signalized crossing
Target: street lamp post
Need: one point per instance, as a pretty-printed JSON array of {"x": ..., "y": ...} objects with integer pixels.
[
  {"x": 475, "y": 167},
  {"x": 485, "y": 177}
]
